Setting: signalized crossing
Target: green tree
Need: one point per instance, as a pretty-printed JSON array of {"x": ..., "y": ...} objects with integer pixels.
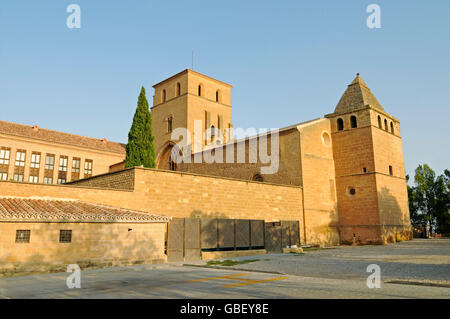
[
  {"x": 140, "y": 148},
  {"x": 429, "y": 199}
]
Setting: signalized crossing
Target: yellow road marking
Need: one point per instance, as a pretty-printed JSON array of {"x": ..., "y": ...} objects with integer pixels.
[
  {"x": 222, "y": 277},
  {"x": 251, "y": 282}
]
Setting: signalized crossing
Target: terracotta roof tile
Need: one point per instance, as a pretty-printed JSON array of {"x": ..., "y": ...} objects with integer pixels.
[
  {"x": 57, "y": 210},
  {"x": 36, "y": 132}
]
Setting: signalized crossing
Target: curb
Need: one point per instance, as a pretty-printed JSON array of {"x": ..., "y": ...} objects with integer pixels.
[{"x": 235, "y": 269}]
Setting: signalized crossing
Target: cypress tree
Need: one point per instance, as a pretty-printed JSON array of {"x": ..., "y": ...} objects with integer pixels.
[{"x": 140, "y": 148}]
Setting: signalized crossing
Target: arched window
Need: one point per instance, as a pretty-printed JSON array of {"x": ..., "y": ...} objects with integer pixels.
[
  {"x": 258, "y": 178},
  {"x": 340, "y": 124},
  {"x": 353, "y": 122},
  {"x": 217, "y": 96},
  {"x": 178, "y": 89},
  {"x": 392, "y": 128},
  {"x": 164, "y": 96},
  {"x": 213, "y": 131},
  {"x": 200, "y": 90},
  {"x": 379, "y": 122},
  {"x": 385, "y": 125}
]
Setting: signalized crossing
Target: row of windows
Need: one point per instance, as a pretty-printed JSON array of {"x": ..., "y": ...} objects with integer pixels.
[
  {"x": 35, "y": 165},
  {"x": 199, "y": 92},
  {"x": 352, "y": 191},
  {"x": 354, "y": 124},
  {"x": 391, "y": 171},
  {"x": 23, "y": 236},
  {"x": 385, "y": 125}
]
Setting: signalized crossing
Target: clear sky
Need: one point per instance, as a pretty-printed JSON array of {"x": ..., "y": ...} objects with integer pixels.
[{"x": 289, "y": 61}]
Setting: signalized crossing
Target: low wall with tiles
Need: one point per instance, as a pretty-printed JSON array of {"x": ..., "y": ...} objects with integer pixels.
[{"x": 93, "y": 245}]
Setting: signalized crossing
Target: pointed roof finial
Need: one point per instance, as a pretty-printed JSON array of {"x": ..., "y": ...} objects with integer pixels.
[{"x": 356, "y": 96}]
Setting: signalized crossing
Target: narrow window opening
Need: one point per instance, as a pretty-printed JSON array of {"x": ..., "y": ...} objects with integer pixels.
[
  {"x": 385, "y": 125},
  {"x": 164, "y": 95},
  {"x": 178, "y": 89},
  {"x": 340, "y": 124},
  {"x": 379, "y": 122},
  {"x": 390, "y": 170},
  {"x": 392, "y": 128},
  {"x": 353, "y": 122}
]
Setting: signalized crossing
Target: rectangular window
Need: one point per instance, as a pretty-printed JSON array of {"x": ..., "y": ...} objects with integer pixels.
[
  {"x": 88, "y": 168},
  {"x": 33, "y": 179},
  {"x": 62, "y": 174},
  {"x": 4, "y": 163},
  {"x": 76, "y": 168},
  {"x": 35, "y": 160},
  {"x": 63, "y": 163},
  {"x": 4, "y": 156},
  {"x": 390, "y": 170},
  {"x": 49, "y": 161},
  {"x": 48, "y": 180},
  {"x": 20, "y": 158},
  {"x": 22, "y": 236},
  {"x": 18, "y": 177},
  {"x": 65, "y": 236}
]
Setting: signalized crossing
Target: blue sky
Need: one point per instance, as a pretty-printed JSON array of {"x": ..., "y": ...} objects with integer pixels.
[{"x": 289, "y": 61}]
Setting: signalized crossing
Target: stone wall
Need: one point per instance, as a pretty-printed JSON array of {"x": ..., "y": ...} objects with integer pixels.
[
  {"x": 123, "y": 179},
  {"x": 93, "y": 245}
]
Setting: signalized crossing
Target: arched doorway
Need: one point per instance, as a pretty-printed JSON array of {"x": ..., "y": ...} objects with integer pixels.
[{"x": 166, "y": 158}]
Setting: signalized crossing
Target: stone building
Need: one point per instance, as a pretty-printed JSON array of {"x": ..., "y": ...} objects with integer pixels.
[
  {"x": 340, "y": 176},
  {"x": 36, "y": 155}
]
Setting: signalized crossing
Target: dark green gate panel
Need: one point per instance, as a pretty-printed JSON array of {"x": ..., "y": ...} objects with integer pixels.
[
  {"x": 257, "y": 233},
  {"x": 242, "y": 227},
  {"x": 273, "y": 237},
  {"x": 226, "y": 233},
  {"x": 209, "y": 233}
]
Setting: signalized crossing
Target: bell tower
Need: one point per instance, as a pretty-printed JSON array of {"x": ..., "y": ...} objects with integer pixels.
[
  {"x": 179, "y": 102},
  {"x": 370, "y": 175}
]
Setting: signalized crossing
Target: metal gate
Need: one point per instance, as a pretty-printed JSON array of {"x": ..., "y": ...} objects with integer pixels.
[
  {"x": 183, "y": 242},
  {"x": 187, "y": 237},
  {"x": 279, "y": 235}
]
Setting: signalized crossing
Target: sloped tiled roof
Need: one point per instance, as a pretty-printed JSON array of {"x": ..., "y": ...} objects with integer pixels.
[
  {"x": 356, "y": 96},
  {"x": 36, "y": 132},
  {"x": 56, "y": 210}
]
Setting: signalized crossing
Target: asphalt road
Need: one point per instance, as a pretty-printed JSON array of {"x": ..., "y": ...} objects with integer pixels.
[{"x": 331, "y": 273}]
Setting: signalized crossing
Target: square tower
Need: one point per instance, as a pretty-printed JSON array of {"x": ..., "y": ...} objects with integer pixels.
[
  {"x": 370, "y": 175},
  {"x": 181, "y": 100}
]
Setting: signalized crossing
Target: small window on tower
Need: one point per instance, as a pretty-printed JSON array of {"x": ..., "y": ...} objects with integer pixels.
[
  {"x": 178, "y": 89},
  {"x": 164, "y": 95},
  {"x": 200, "y": 90},
  {"x": 169, "y": 124},
  {"x": 364, "y": 170},
  {"x": 379, "y": 122},
  {"x": 340, "y": 124},
  {"x": 218, "y": 96},
  {"x": 390, "y": 170},
  {"x": 392, "y": 128},
  {"x": 353, "y": 122},
  {"x": 385, "y": 125}
]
